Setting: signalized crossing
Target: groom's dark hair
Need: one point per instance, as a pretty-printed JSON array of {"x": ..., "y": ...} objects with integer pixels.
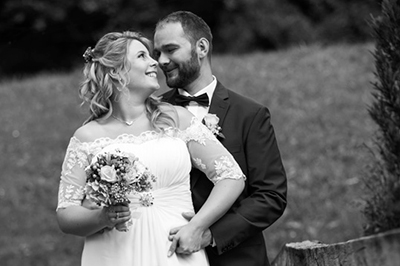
[{"x": 193, "y": 26}]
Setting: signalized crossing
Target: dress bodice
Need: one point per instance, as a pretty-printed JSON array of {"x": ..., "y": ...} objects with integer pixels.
[{"x": 169, "y": 156}]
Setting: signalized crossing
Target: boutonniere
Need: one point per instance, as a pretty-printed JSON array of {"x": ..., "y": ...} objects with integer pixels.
[{"x": 211, "y": 122}]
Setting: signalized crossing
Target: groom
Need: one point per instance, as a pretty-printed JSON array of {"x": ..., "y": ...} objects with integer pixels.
[{"x": 183, "y": 46}]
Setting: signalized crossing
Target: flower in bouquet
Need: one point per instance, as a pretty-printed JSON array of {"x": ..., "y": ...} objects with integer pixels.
[
  {"x": 211, "y": 121},
  {"x": 112, "y": 176}
]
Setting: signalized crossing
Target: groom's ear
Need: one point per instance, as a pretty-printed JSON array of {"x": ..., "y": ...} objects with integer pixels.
[{"x": 203, "y": 47}]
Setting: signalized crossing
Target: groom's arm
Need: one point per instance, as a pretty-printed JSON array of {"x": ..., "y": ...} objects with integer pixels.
[{"x": 265, "y": 188}]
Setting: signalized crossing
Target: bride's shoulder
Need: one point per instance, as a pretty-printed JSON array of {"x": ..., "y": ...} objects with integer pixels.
[
  {"x": 185, "y": 117},
  {"x": 88, "y": 132},
  {"x": 179, "y": 114}
]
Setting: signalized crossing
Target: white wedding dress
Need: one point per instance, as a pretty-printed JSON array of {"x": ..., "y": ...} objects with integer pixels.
[{"x": 169, "y": 156}]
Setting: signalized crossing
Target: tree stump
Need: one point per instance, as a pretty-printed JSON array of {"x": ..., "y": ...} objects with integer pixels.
[{"x": 376, "y": 250}]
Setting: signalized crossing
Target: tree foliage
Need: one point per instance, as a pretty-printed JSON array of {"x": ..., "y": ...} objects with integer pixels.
[
  {"x": 48, "y": 34},
  {"x": 382, "y": 208}
]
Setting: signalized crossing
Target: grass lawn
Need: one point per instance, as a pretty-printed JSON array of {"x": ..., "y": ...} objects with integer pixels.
[{"x": 318, "y": 98}]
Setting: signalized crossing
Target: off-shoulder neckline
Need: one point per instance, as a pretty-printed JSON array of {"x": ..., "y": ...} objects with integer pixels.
[
  {"x": 142, "y": 136},
  {"x": 122, "y": 136}
]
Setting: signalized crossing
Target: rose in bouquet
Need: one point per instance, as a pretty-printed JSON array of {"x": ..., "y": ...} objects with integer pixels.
[{"x": 112, "y": 176}]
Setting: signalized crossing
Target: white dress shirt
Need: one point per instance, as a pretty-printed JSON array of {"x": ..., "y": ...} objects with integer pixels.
[{"x": 196, "y": 109}]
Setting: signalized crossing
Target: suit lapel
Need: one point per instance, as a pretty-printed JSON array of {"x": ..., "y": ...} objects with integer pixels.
[{"x": 219, "y": 103}]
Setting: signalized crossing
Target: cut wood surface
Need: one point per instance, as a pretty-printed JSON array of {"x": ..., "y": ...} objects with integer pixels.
[{"x": 376, "y": 250}]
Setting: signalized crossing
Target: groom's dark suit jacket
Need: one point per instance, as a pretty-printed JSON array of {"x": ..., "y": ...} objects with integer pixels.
[{"x": 250, "y": 138}]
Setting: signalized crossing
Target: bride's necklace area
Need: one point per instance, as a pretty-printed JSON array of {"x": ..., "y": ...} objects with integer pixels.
[{"x": 128, "y": 123}]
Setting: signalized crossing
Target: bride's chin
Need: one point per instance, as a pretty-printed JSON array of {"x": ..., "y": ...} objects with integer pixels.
[
  {"x": 153, "y": 89},
  {"x": 156, "y": 87}
]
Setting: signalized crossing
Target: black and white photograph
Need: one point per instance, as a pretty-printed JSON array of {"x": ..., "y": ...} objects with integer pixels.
[{"x": 200, "y": 133}]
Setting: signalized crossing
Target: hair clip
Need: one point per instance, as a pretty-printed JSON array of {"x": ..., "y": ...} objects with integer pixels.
[{"x": 88, "y": 55}]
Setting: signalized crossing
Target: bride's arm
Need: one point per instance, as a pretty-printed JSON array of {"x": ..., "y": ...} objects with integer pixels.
[
  {"x": 211, "y": 157},
  {"x": 72, "y": 217},
  {"x": 80, "y": 221},
  {"x": 77, "y": 220}
]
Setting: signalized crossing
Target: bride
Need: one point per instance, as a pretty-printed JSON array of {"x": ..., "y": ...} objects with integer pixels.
[{"x": 120, "y": 76}]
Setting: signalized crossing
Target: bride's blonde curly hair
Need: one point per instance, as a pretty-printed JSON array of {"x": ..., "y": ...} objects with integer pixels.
[{"x": 105, "y": 72}]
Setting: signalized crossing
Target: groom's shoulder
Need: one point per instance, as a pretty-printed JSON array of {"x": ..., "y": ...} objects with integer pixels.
[{"x": 239, "y": 99}]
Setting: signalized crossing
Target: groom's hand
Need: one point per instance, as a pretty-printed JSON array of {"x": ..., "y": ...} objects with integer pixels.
[
  {"x": 188, "y": 215},
  {"x": 205, "y": 241}
]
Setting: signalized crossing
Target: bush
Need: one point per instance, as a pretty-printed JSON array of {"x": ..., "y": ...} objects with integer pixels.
[{"x": 382, "y": 209}]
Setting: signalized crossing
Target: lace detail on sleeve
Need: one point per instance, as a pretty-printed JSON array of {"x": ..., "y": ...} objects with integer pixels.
[
  {"x": 209, "y": 155},
  {"x": 77, "y": 154},
  {"x": 197, "y": 132},
  {"x": 226, "y": 167},
  {"x": 199, "y": 163},
  {"x": 73, "y": 177},
  {"x": 69, "y": 195}
]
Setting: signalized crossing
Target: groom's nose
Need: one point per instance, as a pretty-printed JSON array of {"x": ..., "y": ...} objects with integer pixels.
[{"x": 163, "y": 59}]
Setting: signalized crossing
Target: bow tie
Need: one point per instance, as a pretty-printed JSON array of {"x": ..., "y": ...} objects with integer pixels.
[{"x": 183, "y": 100}]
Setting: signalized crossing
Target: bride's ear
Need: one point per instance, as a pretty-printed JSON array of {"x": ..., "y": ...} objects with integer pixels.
[{"x": 114, "y": 74}]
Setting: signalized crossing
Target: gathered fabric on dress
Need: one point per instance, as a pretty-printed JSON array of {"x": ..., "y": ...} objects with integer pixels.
[{"x": 170, "y": 156}]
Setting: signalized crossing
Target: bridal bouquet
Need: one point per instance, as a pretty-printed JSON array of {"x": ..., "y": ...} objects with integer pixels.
[{"x": 111, "y": 176}]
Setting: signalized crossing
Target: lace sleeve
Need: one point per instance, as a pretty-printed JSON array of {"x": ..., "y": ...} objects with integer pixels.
[
  {"x": 73, "y": 176},
  {"x": 209, "y": 155}
]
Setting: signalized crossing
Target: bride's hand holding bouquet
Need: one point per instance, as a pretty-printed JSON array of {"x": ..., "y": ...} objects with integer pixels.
[{"x": 110, "y": 178}]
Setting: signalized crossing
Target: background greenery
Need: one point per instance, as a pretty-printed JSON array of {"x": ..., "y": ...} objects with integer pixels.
[
  {"x": 52, "y": 35},
  {"x": 382, "y": 208},
  {"x": 317, "y": 96}
]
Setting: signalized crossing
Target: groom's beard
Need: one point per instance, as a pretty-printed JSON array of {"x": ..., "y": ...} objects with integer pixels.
[{"x": 187, "y": 72}]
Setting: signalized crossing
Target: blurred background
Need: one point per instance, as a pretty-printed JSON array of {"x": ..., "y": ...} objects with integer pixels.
[
  {"x": 309, "y": 61},
  {"x": 51, "y": 35}
]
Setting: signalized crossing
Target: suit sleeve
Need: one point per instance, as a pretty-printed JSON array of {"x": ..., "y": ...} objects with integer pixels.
[{"x": 265, "y": 191}]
